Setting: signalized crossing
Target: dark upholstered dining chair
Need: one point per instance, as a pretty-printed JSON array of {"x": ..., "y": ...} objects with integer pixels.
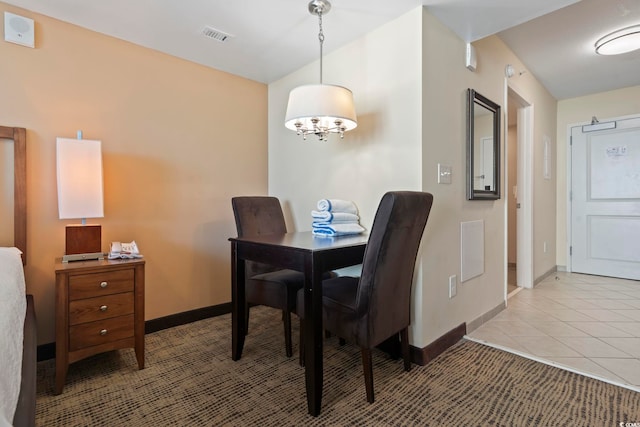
[
  {"x": 376, "y": 306},
  {"x": 265, "y": 284}
]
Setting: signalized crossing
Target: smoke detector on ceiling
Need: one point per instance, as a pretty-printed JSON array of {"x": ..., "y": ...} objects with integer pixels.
[{"x": 218, "y": 35}]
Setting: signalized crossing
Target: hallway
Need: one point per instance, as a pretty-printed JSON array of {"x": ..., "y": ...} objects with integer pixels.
[{"x": 587, "y": 324}]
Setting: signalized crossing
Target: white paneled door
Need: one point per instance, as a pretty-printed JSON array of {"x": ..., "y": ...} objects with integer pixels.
[{"x": 605, "y": 198}]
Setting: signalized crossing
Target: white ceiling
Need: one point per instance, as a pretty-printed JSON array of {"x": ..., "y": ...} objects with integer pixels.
[
  {"x": 271, "y": 39},
  {"x": 558, "y": 48}
]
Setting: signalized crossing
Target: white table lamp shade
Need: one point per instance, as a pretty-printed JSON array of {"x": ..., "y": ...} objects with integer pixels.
[{"x": 79, "y": 170}]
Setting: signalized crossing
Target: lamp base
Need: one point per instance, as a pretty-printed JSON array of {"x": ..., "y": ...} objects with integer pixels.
[{"x": 83, "y": 242}]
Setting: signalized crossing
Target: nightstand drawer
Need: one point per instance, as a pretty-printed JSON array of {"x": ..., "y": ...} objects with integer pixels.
[
  {"x": 104, "y": 283},
  {"x": 100, "y": 332},
  {"x": 98, "y": 308}
]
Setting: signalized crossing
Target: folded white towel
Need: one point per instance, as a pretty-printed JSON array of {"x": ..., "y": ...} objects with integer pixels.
[
  {"x": 338, "y": 229},
  {"x": 330, "y": 223},
  {"x": 336, "y": 205},
  {"x": 334, "y": 216}
]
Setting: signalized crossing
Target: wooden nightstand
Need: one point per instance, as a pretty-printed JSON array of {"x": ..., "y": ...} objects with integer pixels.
[{"x": 99, "y": 307}]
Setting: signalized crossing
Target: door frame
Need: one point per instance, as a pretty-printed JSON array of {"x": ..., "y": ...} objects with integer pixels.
[
  {"x": 524, "y": 227},
  {"x": 568, "y": 200}
]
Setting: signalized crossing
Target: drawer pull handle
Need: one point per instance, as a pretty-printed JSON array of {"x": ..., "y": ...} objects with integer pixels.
[
  {"x": 103, "y": 332},
  {"x": 103, "y": 284},
  {"x": 103, "y": 308}
]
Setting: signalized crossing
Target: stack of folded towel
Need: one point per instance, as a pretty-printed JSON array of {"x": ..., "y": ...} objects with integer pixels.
[{"x": 335, "y": 217}]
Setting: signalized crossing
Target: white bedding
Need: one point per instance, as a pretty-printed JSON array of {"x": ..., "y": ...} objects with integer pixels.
[{"x": 13, "y": 307}]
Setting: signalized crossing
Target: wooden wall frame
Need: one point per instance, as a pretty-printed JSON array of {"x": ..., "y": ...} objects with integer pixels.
[{"x": 19, "y": 138}]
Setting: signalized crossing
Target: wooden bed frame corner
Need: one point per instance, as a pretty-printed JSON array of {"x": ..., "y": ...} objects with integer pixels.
[
  {"x": 26, "y": 408},
  {"x": 19, "y": 137}
]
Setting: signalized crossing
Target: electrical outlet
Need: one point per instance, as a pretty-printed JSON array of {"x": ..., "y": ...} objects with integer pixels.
[{"x": 453, "y": 288}]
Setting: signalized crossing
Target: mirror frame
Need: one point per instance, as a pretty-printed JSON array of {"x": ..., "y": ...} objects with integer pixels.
[{"x": 475, "y": 99}]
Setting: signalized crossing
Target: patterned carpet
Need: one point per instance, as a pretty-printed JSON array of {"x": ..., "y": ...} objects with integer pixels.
[{"x": 190, "y": 380}]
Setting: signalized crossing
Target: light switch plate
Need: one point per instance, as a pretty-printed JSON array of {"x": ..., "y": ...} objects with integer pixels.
[
  {"x": 444, "y": 174},
  {"x": 453, "y": 286}
]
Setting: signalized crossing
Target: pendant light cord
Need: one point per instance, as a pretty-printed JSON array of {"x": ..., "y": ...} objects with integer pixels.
[{"x": 321, "y": 39}]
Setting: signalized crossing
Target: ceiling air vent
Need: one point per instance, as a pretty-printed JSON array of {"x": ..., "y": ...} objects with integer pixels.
[{"x": 218, "y": 35}]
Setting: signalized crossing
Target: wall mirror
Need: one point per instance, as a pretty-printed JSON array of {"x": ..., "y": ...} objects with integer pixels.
[{"x": 483, "y": 147}]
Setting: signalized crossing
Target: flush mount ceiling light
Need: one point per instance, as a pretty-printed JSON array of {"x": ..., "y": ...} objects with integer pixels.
[
  {"x": 618, "y": 42},
  {"x": 320, "y": 109}
]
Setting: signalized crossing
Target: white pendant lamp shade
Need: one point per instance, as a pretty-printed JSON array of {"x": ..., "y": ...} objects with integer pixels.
[
  {"x": 320, "y": 109},
  {"x": 330, "y": 107},
  {"x": 619, "y": 42}
]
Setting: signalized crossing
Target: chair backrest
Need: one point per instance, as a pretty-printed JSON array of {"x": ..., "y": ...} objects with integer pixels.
[
  {"x": 256, "y": 215},
  {"x": 384, "y": 290}
]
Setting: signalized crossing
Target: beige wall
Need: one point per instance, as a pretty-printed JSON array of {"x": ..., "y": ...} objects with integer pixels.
[
  {"x": 445, "y": 80},
  {"x": 544, "y": 124},
  {"x": 575, "y": 111},
  {"x": 411, "y": 116},
  {"x": 381, "y": 154},
  {"x": 175, "y": 140},
  {"x": 174, "y": 155}
]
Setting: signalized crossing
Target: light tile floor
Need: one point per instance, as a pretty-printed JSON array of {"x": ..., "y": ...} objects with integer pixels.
[{"x": 587, "y": 324}]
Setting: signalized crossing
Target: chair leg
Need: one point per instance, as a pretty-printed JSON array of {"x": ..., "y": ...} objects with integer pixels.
[
  {"x": 301, "y": 349},
  {"x": 404, "y": 343},
  {"x": 287, "y": 332},
  {"x": 367, "y": 367},
  {"x": 246, "y": 320}
]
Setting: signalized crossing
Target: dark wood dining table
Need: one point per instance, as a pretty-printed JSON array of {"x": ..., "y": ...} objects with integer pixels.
[{"x": 301, "y": 251}]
